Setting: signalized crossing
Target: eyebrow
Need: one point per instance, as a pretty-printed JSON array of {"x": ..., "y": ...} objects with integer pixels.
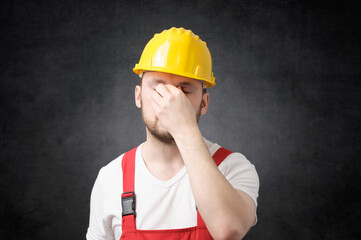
[{"x": 157, "y": 80}]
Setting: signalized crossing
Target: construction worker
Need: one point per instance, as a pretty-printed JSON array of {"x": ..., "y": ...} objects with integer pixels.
[{"x": 176, "y": 185}]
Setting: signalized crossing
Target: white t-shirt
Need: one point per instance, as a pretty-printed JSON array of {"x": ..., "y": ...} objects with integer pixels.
[{"x": 159, "y": 204}]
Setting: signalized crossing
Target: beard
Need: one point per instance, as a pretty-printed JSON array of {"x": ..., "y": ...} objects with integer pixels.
[{"x": 162, "y": 136}]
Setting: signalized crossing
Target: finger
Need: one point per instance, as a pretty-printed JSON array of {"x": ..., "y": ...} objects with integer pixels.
[
  {"x": 156, "y": 108},
  {"x": 174, "y": 90},
  {"x": 162, "y": 90},
  {"x": 180, "y": 88},
  {"x": 157, "y": 98}
]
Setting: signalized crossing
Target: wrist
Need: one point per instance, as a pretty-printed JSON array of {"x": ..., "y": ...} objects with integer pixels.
[
  {"x": 192, "y": 147},
  {"x": 189, "y": 137}
]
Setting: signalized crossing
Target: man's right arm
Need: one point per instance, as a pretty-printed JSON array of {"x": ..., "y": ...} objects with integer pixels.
[{"x": 99, "y": 225}]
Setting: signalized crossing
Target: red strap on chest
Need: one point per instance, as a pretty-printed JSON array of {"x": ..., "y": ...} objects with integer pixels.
[
  {"x": 220, "y": 155},
  {"x": 128, "y": 168}
]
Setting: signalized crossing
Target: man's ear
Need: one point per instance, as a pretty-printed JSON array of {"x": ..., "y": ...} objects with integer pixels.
[
  {"x": 205, "y": 102},
  {"x": 137, "y": 96}
]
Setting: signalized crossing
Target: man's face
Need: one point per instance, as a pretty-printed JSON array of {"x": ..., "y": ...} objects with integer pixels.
[{"x": 193, "y": 90}]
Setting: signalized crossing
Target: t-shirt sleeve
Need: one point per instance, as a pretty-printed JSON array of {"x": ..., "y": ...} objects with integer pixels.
[
  {"x": 99, "y": 223},
  {"x": 241, "y": 174}
]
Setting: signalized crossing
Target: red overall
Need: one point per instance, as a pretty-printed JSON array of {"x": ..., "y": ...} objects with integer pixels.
[{"x": 129, "y": 230}]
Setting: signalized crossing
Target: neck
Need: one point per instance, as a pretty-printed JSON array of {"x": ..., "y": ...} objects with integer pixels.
[
  {"x": 162, "y": 159},
  {"x": 167, "y": 152}
]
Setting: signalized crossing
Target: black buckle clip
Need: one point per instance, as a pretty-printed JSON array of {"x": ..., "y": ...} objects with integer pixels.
[{"x": 128, "y": 203}]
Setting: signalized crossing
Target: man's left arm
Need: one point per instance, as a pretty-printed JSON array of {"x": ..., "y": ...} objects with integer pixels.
[{"x": 228, "y": 213}]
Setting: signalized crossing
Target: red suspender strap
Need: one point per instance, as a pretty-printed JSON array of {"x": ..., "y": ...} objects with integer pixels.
[
  {"x": 128, "y": 168},
  {"x": 220, "y": 155},
  {"x": 128, "y": 196},
  {"x": 218, "y": 158}
]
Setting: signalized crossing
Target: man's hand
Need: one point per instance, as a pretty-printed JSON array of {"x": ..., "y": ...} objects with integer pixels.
[{"x": 173, "y": 109}]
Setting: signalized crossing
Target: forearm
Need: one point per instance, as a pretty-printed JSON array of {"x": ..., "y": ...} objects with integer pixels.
[{"x": 224, "y": 210}]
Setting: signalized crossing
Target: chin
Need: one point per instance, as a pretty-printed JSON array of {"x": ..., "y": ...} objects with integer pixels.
[{"x": 157, "y": 130}]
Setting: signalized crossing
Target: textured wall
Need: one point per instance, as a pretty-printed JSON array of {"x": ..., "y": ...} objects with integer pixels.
[{"x": 287, "y": 96}]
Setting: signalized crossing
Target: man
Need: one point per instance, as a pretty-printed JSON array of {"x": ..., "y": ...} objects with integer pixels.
[{"x": 170, "y": 187}]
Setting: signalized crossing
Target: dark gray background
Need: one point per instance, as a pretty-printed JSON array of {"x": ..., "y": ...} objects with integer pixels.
[{"x": 287, "y": 97}]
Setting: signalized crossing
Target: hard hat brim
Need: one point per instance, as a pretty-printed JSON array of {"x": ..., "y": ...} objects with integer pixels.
[{"x": 139, "y": 71}]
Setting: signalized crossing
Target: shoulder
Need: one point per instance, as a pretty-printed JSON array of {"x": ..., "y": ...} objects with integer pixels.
[
  {"x": 234, "y": 157},
  {"x": 109, "y": 178},
  {"x": 112, "y": 173},
  {"x": 239, "y": 171},
  {"x": 114, "y": 168}
]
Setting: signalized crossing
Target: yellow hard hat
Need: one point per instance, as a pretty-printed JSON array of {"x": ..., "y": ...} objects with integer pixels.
[{"x": 177, "y": 51}]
